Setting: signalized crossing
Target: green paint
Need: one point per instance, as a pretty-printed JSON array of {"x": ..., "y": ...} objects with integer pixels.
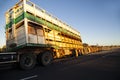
[
  {"x": 18, "y": 19},
  {"x": 15, "y": 21},
  {"x": 30, "y": 16},
  {"x": 16, "y": 48},
  {"x": 9, "y": 25},
  {"x": 29, "y": 45},
  {"x": 39, "y": 20}
]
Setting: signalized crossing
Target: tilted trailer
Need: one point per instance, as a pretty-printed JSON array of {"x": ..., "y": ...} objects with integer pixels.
[{"x": 34, "y": 35}]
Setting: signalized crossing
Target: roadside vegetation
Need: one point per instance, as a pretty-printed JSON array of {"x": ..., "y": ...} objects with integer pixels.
[{"x": 3, "y": 49}]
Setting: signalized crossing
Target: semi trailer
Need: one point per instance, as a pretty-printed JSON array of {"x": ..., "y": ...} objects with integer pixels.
[{"x": 35, "y": 36}]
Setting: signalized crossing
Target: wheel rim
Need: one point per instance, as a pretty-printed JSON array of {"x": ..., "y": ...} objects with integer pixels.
[
  {"x": 47, "y": 58},
  {"x": 28, "y": 61}
]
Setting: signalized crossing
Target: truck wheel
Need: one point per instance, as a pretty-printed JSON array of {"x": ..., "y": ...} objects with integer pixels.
[
  {"x": 73, "y": 53},
  {"x": 45, "y": 58},
  {"x": 27, "y": 61}
]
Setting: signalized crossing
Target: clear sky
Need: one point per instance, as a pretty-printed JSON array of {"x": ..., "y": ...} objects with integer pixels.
[{"x": 98, "y": 21}]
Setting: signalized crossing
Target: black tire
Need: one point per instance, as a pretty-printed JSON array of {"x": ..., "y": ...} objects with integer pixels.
[
  {"x": 27, "y": 61},
  {"x": 45, "y": 58},
  {"x": 73, "y": 53}
]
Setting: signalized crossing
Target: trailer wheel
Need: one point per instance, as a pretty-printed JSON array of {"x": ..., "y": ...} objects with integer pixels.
[
  {"x": 45, "y": 58},
  {"x": 73, "y": 53},
  {"x": 27, "y": 61}
]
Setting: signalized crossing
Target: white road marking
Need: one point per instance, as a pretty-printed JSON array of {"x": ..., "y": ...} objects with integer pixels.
[{"x": 30, "y": 77}]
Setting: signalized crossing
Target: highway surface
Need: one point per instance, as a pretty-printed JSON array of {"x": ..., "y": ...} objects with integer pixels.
[{"x": 96, "y": 66}]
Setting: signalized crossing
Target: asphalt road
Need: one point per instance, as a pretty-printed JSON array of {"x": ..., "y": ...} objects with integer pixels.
[{"x": 98, "y": 66}]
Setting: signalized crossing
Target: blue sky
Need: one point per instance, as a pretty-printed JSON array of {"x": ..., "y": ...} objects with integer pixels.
[{"x": 98, "y": 21}]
